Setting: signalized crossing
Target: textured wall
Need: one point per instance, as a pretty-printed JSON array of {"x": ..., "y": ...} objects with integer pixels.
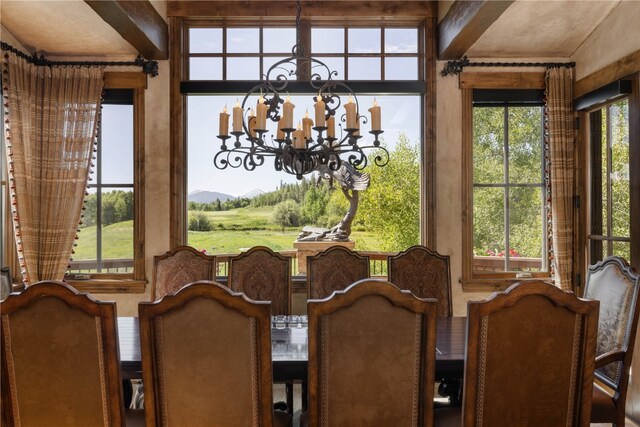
[{"x": 617, "y": 36}]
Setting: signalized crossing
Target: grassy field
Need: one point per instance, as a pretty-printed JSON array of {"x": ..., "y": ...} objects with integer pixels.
[{"x": 235, "y": 230}]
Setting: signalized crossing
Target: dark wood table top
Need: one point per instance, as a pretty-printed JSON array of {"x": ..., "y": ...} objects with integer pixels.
[{"x": 289, "y": 349}]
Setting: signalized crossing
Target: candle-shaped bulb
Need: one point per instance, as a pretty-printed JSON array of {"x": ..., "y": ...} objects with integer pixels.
[
  {"x": 224, "y": 122},
  {"x": 350, "y": 108},
  {"x": 287, "y": 114},
  {"x": 261, "y": 116},
  {"x": 320, "y": 111},
  {"x": 307, "y": 124},
  {"x": 237, "y": 117},
  {"x": 375, "y": 116}
]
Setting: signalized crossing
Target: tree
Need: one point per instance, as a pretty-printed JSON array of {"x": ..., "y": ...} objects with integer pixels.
[
  {"x": 391, "y": 205},
  {"x": 286, "y": 214}
]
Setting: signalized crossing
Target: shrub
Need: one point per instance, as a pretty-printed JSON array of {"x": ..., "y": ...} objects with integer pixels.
[{"x": 199, "y": 222}]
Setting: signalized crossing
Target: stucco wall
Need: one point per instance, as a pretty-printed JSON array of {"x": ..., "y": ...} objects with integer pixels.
[{"x": 617, "y": 36}]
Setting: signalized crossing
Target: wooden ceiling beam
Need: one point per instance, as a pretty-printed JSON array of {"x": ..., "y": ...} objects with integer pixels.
[
  {"x": 137, "y": 22},
  {"x": 310, "y": 8},
  {"x": 464, "y": 23}
]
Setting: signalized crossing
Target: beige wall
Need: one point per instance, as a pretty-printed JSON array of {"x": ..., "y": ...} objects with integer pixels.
[{"x": 617, "y": 36}]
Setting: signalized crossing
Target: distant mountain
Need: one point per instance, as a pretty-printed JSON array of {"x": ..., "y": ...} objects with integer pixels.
[
  {"x": 251, "y": 194},
  {"x": 201, "y": 196}
]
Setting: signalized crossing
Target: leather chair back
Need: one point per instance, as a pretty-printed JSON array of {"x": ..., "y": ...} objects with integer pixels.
[
  {"x": 179, "y": 267},
  {"x": 60, "y": 363},
  {"x": 334, "y": 270},
  {"x": 263, "y": 275},
  {"x": 371, "y": 357},
  {"x": 425, "y": 273},
  {"x": 530, "y": 358},
  {"x": 614, "y": 283},
  {"x": 206, "y": 358}
]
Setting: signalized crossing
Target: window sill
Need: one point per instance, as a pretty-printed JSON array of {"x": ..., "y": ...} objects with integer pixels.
[
  {"x": 496, "y": 284},
  {"x": 109, "y": 286}
]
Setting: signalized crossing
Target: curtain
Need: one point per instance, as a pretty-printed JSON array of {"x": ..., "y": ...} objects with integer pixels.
[
  {"x": 561, "y": 136},
  {"x": 51, "y": 117}
]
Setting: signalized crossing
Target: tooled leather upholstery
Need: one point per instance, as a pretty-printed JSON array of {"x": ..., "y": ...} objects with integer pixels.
[
  {"x": 614, "y": 290},
  {"x": 425, "y": 273},
  {"x": 180, "y": 269},
  {"x": 263, "y": 276},
  {"x": 334, "y": 270}
]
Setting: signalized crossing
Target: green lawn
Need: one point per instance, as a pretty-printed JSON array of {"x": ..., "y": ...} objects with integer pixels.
[
  {"x": 235, "y": 230},
  {"x": 229, "y": 241},
  {"x": 117, "y": 242}
]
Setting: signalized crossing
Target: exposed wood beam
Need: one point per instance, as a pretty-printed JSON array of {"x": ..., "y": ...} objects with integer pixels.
[
  {"x": 138, "y": 23},
  {"x": 464, "y": 23},
  {"x": 310, "y": 8}
]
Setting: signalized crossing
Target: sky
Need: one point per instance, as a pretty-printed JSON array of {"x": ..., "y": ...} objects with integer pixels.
[{"x": 399, "y": 114}]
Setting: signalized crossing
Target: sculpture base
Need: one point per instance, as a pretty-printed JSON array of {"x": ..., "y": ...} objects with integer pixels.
[{"x": 307, "y": 249}]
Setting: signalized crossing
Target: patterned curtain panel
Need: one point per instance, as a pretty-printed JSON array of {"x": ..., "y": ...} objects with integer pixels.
[
  {"x": 50, "y": 126},
  {"x": 560, "y": 123}
]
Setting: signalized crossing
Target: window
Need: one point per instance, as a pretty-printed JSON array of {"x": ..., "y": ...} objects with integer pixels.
[
  {"x": 610, "y": 232},
  {"x": 246, "y": 53},
  {"x": 507, "y": 234},
  {"x": 109, "y": 244},
  {"x": 230, "y": 210}
]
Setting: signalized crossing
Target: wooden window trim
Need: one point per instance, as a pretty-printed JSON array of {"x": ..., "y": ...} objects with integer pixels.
[
  {"x": 127, "y": 282},
  {"x": 472, "y": 281},
  {"x": 427, "y": 53}
]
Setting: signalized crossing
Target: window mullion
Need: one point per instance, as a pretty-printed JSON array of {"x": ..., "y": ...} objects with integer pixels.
[
  {"x": 609, "y": 184},
  {"x": 99, "y": 203},
  {"x": 506, "y": 188}
]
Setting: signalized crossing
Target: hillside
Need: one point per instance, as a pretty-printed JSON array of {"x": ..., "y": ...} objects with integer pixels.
[{"x": 202, "y": 196}]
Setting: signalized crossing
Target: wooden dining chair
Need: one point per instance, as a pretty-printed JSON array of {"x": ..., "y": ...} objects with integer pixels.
[
  {"x": 206, "y": 359},
  {"x": 371, "y": 357},
  {"x": 263, "y": 275},
  {"x": 530, "y": 360},
  {"x": 425, "y": 273},
  {"x": 60, "y": 362},
  {"x": 615, "y": 284},
  {"x": 179, "y": 267},
  {"x": 334, "y": 269}
]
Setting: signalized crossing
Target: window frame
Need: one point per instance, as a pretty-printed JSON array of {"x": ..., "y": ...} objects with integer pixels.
[
  {"x": 181, "y": 87},
  {"x": 132, "y": 282},
  {"x": 597, "y": 175},
  {"x": 472, "y": 280}
]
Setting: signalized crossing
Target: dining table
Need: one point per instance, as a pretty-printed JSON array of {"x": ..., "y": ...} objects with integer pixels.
[{"x": 290, "y": 348}]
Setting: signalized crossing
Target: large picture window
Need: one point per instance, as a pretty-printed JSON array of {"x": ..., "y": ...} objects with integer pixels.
[{"x": 232, "y": 209}]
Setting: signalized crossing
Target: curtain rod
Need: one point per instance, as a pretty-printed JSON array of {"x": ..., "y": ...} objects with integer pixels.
[
  {"x": 456, "y": 66},
  {"x": 148, "y": 67}
]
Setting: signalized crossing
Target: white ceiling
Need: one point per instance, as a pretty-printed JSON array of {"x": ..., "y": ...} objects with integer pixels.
[
  {"x": 527, "y": 29},
  {"x": 542, "y": 28}
]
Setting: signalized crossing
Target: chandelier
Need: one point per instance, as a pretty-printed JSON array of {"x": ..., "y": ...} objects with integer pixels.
[{"x": 299, "y": 147}]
